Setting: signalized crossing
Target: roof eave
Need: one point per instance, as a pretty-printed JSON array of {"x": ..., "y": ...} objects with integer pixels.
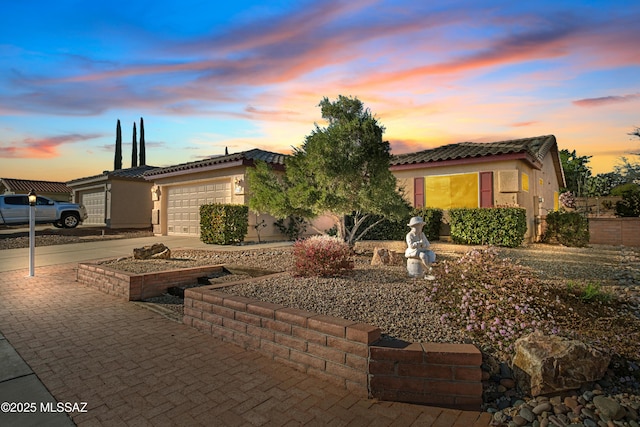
[
  {"x": 191, "y": 170},
  {"x": 470, "y": 160}
]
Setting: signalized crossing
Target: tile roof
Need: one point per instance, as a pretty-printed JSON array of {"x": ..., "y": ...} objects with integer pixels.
[
  {"x": 247, "y": 156},
  {"x": 136, "y": 173},
  {"x": 537, "y": 147},
  {"x": 25, "y": 185}
]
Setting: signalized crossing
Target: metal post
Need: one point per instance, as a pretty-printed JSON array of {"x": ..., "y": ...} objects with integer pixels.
[{"x": 32, "y": 232}]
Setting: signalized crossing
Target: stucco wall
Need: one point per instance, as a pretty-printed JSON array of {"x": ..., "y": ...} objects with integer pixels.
[
  {"x": 537, "y": 200},
  {"x": 130, "y": 204}
]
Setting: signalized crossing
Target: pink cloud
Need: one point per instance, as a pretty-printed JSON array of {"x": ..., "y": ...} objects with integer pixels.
[
  {"x": 42, "y": 148},
  {"x": 523, "y": 124},
  {"x": 606, "y": 100}
]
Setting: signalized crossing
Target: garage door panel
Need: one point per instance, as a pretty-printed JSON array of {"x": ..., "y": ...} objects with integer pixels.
[
  {"x": 94, "y": 202},
  {"x": 183, "y": 205}
]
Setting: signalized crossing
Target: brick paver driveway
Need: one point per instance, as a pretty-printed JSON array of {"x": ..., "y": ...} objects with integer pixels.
[{"x": 134, "y": 367}]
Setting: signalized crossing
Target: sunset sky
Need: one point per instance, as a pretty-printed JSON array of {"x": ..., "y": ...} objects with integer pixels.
[{"x": 206, "y": 75}]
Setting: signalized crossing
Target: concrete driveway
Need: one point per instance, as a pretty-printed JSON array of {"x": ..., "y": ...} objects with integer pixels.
[{"x": 18, "y": 259}]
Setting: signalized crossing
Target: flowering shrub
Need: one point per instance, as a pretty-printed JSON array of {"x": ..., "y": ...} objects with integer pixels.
[
  {"x": 495, "y": 300},
  {"x": 568, "y": 200},
  {"x": 321, "y": 256}
]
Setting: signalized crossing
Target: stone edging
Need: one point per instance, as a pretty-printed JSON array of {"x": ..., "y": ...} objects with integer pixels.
[
  {"x": 342, "y": 352},
  {"x": 135, "y": 287}
]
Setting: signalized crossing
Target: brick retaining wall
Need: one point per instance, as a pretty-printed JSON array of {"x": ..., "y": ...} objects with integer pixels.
[
  {"x": 340, "y": 351},
  {"x": 615, "y": 231},
  {"x": 135, "y": 287}
]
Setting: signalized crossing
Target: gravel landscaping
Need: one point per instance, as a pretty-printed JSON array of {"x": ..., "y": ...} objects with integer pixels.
[{"x": 586, "y": 293}]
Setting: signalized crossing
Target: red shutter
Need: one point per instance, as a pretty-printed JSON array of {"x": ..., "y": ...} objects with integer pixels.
[
  {"x": 486, "y": 189},
  {"x": 418, "y": 192}
]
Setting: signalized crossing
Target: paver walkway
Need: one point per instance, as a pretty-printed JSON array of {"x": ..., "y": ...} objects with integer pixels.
[{"x": 133, "y": 367}]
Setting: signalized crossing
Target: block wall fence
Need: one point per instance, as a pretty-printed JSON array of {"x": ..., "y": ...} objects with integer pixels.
[
  {"x": 342, "y": 352},
  {"x": 614, "y": 231}
]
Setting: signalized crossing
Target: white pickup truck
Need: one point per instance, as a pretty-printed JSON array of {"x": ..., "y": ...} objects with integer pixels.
[{"x": 14, "y": 210}]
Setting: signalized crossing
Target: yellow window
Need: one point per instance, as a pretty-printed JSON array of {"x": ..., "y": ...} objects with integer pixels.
[
  {"x": 556, "y": 201},
  {"x": 525, "y": 182},
  {"x": 452, "y": 191}
]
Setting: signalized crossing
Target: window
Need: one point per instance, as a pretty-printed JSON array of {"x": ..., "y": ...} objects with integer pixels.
[
  {"x": 16, "y": 200},
  {"x": 452, "y": 191},
  {"x": 525, "y": 182}
]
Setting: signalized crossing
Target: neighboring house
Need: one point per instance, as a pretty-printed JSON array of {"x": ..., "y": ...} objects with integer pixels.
[
  {"x": 180, "y": 190},
  {"x": 523, "y": 172},
  {"x": 116, "y": 199},
  {"x": 54, "y": 190}
]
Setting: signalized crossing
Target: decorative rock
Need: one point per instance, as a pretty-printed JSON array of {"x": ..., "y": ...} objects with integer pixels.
[
  {"x": 543, "y": 407},
  {"x": 527, "y": 414},
  {"x": 155, "y": 251},
  {"x": 507, "y": 383},
  {"x": 382, "y": 256},
  {"x": 609, "y": 408},
  {"x": 548, "y": 364},
  {"x": 519, "y": 421}
]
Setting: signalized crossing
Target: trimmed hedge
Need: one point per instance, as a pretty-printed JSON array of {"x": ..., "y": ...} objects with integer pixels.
[
  {"x": 488, "y": 226},
  {"x": 397, "y": 230},
  {"x": 570, "y": 228},
  {"x": 223, "y": 224}
]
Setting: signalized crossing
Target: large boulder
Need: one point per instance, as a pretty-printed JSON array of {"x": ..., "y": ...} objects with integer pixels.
[
  {"x": 382, "y": 256},
  {"x": 155, "y": 251},
  {"x": 550, "y": 364}
]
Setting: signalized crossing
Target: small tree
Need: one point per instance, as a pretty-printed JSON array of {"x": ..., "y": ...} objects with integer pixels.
[
  {"x": 134, "y": 148},
  {"x": 117, "y": 161},
  {"x": 143, "y": 153},
  {"x": 341, "y": 169}
]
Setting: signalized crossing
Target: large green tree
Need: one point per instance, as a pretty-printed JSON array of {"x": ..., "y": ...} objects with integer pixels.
[
  {"x": 341, "y": 169},
  {"x": 576, "y": 171}
]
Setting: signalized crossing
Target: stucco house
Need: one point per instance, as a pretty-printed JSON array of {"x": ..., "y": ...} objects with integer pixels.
[
  {"x": 115, "y": 199},
  {"x": 179, "y": 191},
  {"x": 51, "y": 189},
  {"x": 522, "y": 172}
]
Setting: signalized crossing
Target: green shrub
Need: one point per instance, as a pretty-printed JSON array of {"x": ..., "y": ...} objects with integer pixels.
[
  {"x": 629, "y": 206},
  {"x": 321, "y": 256},
  {"x": 223, "y": 224},
  {"x": 293, "y": 227},
  {"x": 570, "y": 228},
  {"x": 397, "y": 230},
  {"x": 488, "y": 226}
]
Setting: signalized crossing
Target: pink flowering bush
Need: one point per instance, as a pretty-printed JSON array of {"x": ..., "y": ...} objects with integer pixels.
[
  {"x": 321, "y": 256},
  {"x": 568, "y": 200}
]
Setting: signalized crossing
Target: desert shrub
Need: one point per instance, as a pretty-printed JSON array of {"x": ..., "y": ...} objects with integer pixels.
[
  {"x": 570, "y": 228},
  {"x": 321, "y": 256},
  {"x": 397, "y": 230},
  {"x": 629, "y": 206},
  {"x": 293, "y": 227}
]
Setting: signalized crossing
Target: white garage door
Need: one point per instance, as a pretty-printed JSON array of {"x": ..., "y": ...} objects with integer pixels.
[
  {"x": 95, "y": 204},
  {"x": 183, "y": 205}
]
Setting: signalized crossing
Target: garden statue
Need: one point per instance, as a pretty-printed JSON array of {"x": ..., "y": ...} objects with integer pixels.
[{"x": 419, "y": 256}]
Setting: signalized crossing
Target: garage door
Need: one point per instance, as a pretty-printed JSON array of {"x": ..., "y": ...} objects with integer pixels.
[
  {"x": 95, "y": 204},
  {"x": 183, "y": 205}
]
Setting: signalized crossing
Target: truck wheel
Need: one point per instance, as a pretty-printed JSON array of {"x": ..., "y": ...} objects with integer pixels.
[{"x": 70, "y": 220}]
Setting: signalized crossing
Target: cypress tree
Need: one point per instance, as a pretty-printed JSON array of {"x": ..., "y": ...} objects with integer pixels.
[
  {"x": 143, "y": 154},
  {"x": 117, "y": 161},
  {"x": 134, "y": 149}
]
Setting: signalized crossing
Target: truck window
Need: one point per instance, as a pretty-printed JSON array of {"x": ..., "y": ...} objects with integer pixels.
[{"x": 16, "y": 200}]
